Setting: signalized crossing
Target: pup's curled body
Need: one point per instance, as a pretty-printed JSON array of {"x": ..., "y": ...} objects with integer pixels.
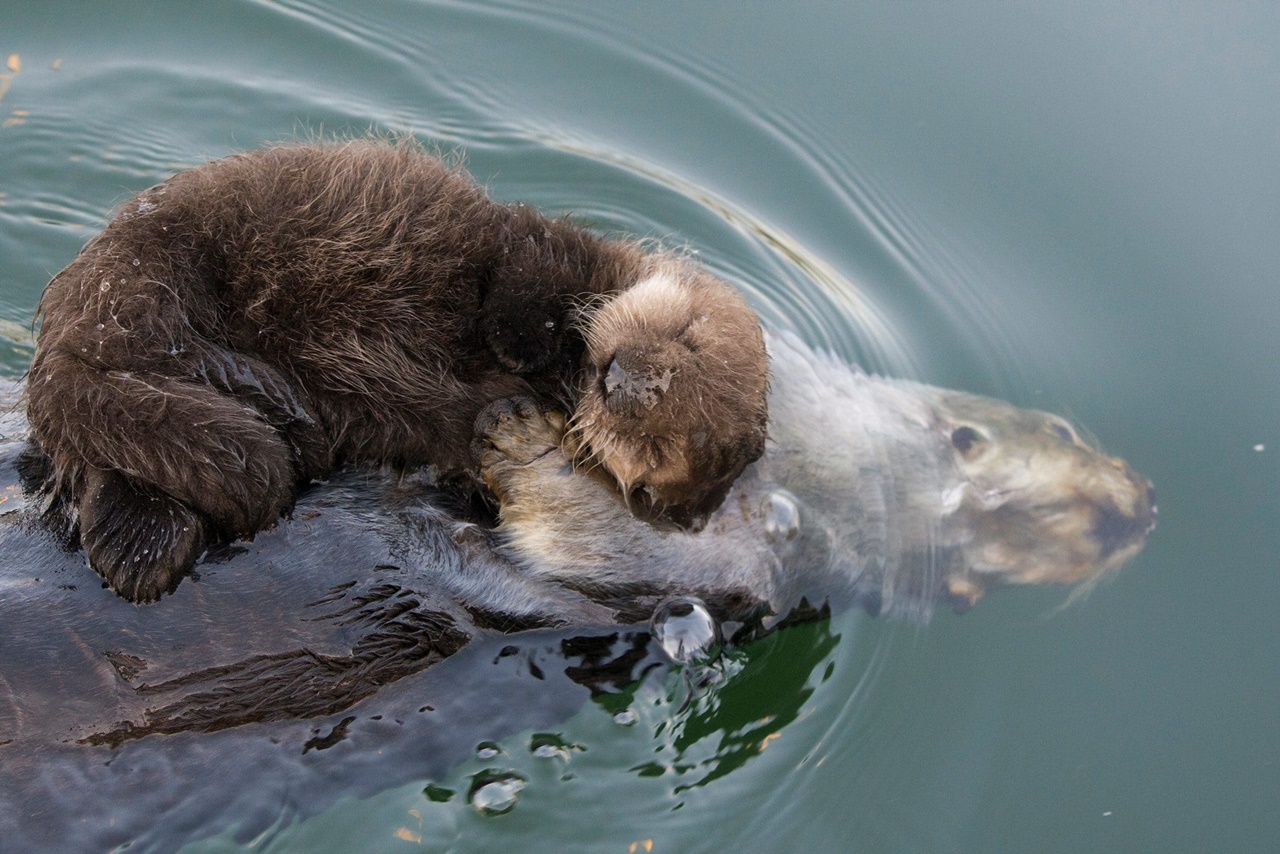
[{"x": 243, "y": 327}]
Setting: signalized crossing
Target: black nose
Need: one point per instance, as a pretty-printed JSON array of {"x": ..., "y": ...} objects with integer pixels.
[
  {"x": 617, "y": 380},
  {"x": 625, "y": 392}
]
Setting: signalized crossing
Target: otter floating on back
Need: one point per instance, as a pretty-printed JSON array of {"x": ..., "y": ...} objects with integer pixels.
[{"x": 892, "y": 495}]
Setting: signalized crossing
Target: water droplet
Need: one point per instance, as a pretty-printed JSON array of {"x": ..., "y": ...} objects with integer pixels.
[
  {"x": 549, "y": 746},
  {"x": 781, "y": 514},
  {"x": 105, "y": 286},
  {"x": 624, "y": 717},
  {"x": 487, "y": 750},
  {"x": 551, "y": 324},
  {"x": 685, "y": 630},
  {"x": 100, "y": 326},
  {"x": 136, "y": 262},
  {"x": 496, "y": 792}
]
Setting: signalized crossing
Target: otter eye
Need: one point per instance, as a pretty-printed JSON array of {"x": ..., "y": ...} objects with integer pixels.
[
  {"x": 1063, "y": 432},
  {"x": 964, "y": 438}
]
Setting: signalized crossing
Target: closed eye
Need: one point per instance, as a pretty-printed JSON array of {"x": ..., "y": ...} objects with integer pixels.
[{"x": 1063, "y": 432}]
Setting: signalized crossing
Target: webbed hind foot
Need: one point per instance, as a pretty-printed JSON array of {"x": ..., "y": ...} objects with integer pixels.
[{"x": 141, "y": 543}]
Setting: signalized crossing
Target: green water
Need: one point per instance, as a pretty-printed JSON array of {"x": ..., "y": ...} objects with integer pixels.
[{"x": 1072, "y": 206}]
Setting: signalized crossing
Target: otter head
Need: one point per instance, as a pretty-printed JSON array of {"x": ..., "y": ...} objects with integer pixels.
[
  {"x": 1034, "y": 502},
  {"x": 672, "y": 403}
]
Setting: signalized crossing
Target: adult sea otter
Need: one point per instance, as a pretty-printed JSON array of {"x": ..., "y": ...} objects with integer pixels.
[{"x": 381, "y": 631}]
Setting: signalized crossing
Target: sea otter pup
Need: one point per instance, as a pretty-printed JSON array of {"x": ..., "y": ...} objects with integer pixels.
[{"x": 241, "y": 328}]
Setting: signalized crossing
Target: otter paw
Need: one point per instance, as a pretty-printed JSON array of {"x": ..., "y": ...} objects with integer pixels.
[
  {"x": 515, "y": 430},
  {"x": 141, "y": 544}
]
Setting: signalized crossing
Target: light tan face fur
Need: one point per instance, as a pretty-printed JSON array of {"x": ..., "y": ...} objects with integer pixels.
[
  {"x": 1035, "y": 503},
  {"x": 673, "y": 399}
]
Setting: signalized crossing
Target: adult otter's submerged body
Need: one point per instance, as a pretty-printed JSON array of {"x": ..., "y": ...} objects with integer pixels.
[
  {"x": 891, "y": 495},
  {"x": 240, "y": 328}
]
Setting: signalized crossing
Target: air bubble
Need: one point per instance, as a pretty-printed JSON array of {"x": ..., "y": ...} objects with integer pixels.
[
  {"x": 781, "y": 514},
  {"x": 549, "y": 746},
  {"x": 496, "y": 792},
  {"x": 685, "y": 630}
]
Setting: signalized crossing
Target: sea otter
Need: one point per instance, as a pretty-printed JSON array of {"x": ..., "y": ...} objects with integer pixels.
[
  {"x": 308, "y": 662},
  {"x": 894, "y": 495},
  {"x": 240, "y": 329}
]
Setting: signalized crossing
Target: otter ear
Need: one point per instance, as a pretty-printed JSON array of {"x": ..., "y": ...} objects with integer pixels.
[{"x": 963, "y": 594}]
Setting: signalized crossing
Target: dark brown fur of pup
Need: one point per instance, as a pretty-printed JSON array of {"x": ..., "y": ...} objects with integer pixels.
[{"x": 243, "y": 327}]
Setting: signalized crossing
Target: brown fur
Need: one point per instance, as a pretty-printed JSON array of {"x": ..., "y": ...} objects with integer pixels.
[{"x": 243, "y": 327}]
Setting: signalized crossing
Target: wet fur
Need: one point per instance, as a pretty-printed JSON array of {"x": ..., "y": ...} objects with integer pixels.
[{"x": 238, "y": 330}]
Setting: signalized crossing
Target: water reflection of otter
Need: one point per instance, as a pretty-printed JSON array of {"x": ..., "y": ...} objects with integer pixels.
[{"x": 242, "y": 327}]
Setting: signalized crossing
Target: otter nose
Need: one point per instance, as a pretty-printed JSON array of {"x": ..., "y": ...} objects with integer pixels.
[
  {"x": 622, "y": 391},
  {"x": 617, "y": 379},
  {"x": 629, "y": 391}
]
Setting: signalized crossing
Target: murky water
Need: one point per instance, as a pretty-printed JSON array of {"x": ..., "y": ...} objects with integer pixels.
[{"x": 1076, "y": 210}]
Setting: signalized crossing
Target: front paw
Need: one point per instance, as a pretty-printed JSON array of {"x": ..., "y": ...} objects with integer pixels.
[
  {"x": 141, "y": 544},
  {"x": 515, "y": 430}
]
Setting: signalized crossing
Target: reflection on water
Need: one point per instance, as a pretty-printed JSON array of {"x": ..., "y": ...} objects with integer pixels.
[{"x": 725, "y": 729}]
